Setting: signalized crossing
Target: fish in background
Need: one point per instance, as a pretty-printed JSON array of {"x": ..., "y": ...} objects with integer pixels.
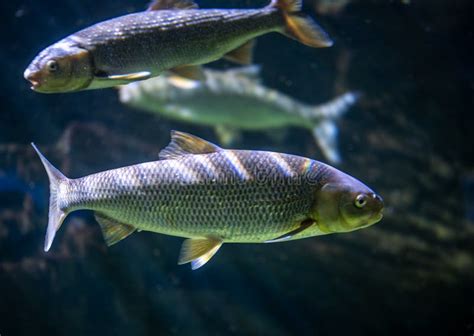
[
  {"x": 234, "y": 100},
  {"x": 171, "y": 35},
  {"x": 329, "y": 7},
  {"x": 210, "y": 196}
]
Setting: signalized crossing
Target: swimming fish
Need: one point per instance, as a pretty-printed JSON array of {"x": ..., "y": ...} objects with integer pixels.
[
  {"x": 329, "y": 7},
  {"x": 210, "y": 196},
  {"x": 234, "y": 100},
  {"x": 171, "y": 35}
]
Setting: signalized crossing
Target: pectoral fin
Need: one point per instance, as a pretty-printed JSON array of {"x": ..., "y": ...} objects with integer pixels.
[
  {"x": 303, "y": 226},
  {"x": 124, "y": 78},
  {"x": 226, "y": 134},
  {"x": 134, "y": 76},
  {"x": 198, "y": 251},
  {"x": 193, "y": 72},
  {"x": 113, "y": 230},
  {"x": 243, "y": 54}
]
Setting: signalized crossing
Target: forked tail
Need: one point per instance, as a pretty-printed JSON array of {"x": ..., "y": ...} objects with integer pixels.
[
  {"x": 56, "y": 215},
  {"x": 325, "y": 116},
  {"x": 301, "y": 27}
]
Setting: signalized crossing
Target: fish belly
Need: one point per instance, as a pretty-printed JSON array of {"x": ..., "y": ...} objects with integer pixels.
[
  {"x": 239, "y": 196},
  {"x": 159, "y": 40}
]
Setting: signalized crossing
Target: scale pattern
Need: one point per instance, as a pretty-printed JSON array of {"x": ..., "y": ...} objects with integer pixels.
[
  {"x": 240, "y": 196},
  {"x": 160, "y": 40}
]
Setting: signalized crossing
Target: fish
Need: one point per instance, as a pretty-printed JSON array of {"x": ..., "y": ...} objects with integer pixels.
[
  {"x": 211, "y": 196},
  {"x": 329, "y": 7},
  {"x": 234, "y": 100},
  {"x": 171, "y": 35}
]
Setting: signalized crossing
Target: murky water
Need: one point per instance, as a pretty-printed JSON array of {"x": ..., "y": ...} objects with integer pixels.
[{"x": 409, "y": 137}]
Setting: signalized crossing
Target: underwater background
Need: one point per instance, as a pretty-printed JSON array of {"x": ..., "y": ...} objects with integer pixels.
[{"x": 410, "y": 138}]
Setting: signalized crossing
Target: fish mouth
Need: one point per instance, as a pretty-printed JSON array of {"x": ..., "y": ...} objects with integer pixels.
[
  {"x": 377, "y": 217},
  {"x": 32, "y": 77},
  {"x": 34, "y": 85}
]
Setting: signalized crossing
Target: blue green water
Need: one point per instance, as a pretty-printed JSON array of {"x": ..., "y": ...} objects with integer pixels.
[{"x": 410, "y": 138}]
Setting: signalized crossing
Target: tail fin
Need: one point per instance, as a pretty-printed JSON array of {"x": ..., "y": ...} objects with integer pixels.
[
  {"x": 301, "y": 27},
  {"x": 56, "y": 215},
  {"x": 325, "y": 131}
]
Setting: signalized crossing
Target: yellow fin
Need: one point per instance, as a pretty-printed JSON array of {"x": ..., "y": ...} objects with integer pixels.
[
  {"x": 243, "y": 54},
  {"x": 301, "y": 27},
  {"x": 193, "y": 72},
  {"x": 287, "y": 236},
  {"x": 171, "y": 4},
  {"x": 290, "y": 6},
  {"x": 183, "y": 144},
  {"x": 113, "y": 230},
  {"x": 227, "y": 134},
  {"x": 198, "y": 251}
]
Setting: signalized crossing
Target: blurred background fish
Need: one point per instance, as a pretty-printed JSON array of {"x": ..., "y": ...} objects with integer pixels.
[
  {"x": 234, "y": 100},
  {"x": 328, "y": 7}
]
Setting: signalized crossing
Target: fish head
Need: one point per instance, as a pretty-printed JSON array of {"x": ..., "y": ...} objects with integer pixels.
[
  {"x": 345, "y": 204},
  {"x": 62, "y": 67}
]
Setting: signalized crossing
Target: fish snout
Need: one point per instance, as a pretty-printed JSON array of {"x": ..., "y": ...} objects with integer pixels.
[
  {"x": 378, "y": 206},
  {"x": 33, "y": 76}
]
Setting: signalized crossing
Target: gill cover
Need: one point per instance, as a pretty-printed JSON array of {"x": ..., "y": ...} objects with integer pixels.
[{"x": 62, "y": 67}]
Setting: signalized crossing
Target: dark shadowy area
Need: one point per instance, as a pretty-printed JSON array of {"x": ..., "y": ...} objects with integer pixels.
[{"x": 410, "y": 139}]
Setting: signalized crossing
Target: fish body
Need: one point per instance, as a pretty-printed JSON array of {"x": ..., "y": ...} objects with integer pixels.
[
  {"x": 329, "y": 7},
  {"x": 236, "y": 99},
  {"x": 172, "y": 35},
  {"x": 212, "y": 195}
]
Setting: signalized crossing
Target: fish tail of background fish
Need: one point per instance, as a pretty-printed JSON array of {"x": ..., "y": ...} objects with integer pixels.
[
  {"x": 57, "y": 181},
  {"x": 301, "y": 27},
  {"x": 324, "y": 118}
]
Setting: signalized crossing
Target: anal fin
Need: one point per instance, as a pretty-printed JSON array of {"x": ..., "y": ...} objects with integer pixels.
[
  {"x": 198, "y": 251},
  {"x": 303, "y": 226},
  {"x": 193, "y": 72},
  {"x": 243, "y": 54},
  {"x": 112, "y": 230}
]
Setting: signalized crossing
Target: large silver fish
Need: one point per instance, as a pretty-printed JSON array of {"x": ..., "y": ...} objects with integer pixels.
[
  {"x": 235, "y": 100},
  {"x": 171, "y": 35},
  {"x": 212, "y": 196}
]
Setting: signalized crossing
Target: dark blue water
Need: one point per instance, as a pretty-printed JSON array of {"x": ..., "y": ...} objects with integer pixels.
[{"x": 410, "y": 138}]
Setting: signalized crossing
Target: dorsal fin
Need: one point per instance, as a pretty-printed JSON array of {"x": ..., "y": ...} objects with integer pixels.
[
  {"x": 171, "y": 4},
  {"x": 184, "y": 144}
]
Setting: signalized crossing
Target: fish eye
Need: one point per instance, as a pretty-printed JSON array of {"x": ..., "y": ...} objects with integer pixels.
[
  {"x": 360, "y": 201},
  {"x": 52, "y": 66}
]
